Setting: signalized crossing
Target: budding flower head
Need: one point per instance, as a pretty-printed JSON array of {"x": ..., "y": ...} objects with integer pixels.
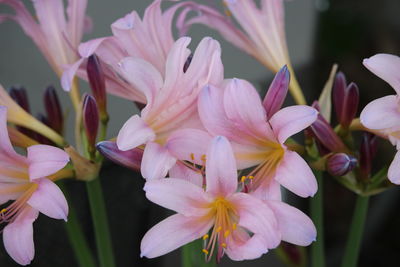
[
  {"x": 340, "y": 164},
  {"x": 368, "y": 149},
  {"x": 97, "y": 84},
  {"x": 277, "y": 92},
  {"x": 90, "y": 121},
  {"x": 131, "y": 158},
  {"x": 53, "y": 108}
]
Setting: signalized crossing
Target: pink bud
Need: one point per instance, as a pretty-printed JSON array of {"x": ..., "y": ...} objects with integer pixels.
[
  {"x": 340, "y": 164},
  {"x": 97, "y": 84},
  {"x": 326, "y": 136},
  {"x": 131, "y": 159},
  {"x": 368, "y": 149},
  {"x": 345, "y": 99},
  {"x": 90, "y": 120},
  {"x": 53, "y": 108},
  {"x": 277, "y": 92}
]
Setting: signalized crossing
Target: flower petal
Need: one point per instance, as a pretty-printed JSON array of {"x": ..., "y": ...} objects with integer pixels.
[
  {"x": 294, "y": 174},
  {"x": 178, "y": 195},
  {"x": 291, "y": 120},
  {"x": 45, "y": 160},
  {"x": 135, "y": 132},
  {"x": 296, "y": 227},
  {"x": 221, "y": 171},
  {"x": 171, "y": 233},
  {"x": 69, "y": 74},
  {"x": 156, "y": 161},
  {"x": 243, "y": 247},
  {"x": 381, "y": 113},
  {"x": 385, "y": 66},
  {"x": 181, "y": 171},
  {"x": 18, "y": 237},
  {"x": 49, "y": 200},
  {"x": 394, "y": 169}
]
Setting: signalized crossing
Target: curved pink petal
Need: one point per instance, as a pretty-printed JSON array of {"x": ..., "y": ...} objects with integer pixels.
[
  {"x": 294, "y": 174},
  {"x": 394, "y": 169},
  {"x": 88, "y": 48},
  {"x": 171, "y": 233},
  {"x": 270, "y": 190},
  {"x": 135, "y": 132},
  {"x": 189, "y": 144},
  {"x": 291, "y": 120},
  {"x": 18, "y": 237},
  {"x": 77, "y": 20},
  {"x": 11, "y": 191},
  {"x": 181, "y": 171},
  {"x": 385, "y": 66},
  {"x": 156, "y": 161},
  {"x": 178, "y": 195},
  {"x": 45, "y": 160},
  {"x": 243, "y": 247},
  {"x": 295, "y": 226},
  {"x": 258, "y": 218},
  {"x": 221, "y": 171},
  {"x": 69, "y": 74},
  {"x": 49, "y": 200},
  {"x": 381, "y": 113}
]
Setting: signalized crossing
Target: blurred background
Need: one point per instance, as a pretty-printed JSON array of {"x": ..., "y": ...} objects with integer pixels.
[{"x": 319, "y": 33}]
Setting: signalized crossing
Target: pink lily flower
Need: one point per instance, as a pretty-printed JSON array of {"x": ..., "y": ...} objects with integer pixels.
[
  {"x": 171, "y": 102},
  {"x": 383, "y": 114},
  {"x": 55, "y": 36},
  {"x": 149, "y": 38},
  {"x": 28, "y": 181},
  {"x": 225, "y": 219},
  {"x": 258, "y": 131}
]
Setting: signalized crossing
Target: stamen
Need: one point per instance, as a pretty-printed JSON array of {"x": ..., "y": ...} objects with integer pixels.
[
  {"x": 205, "y": 236},
  {"x": 218, "y": 229},
  {"x": 251, "y": 177},
  {"x": 223, "y": 245},
  {"x": 203, "y": 158},
  {"x": 3, "y": 210},
  {"x": 234, "y": 226},
  {"x": 205, "y": 251},
  {"x": 227, "y": 233},
  {"x": 243, "y": 179},
  {"x": 192, "y": 156}
]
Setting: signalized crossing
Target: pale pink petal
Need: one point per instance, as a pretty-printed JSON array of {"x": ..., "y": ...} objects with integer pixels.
[
  {"x": 247, "y": 155},
  {"x": 243, "y": 106},
  {"x": 135, "y": 132},
  {"x": 268, "y": 190},
  {"x": 88, "y": 48},
  {"x": 18, "y": 237},
  {"x": 294, "y": 174},
  {"x": 243, "y": 247},
  {"x": 291, "y": 120},
  {"x": 257, "y": 217},
  {"x": 189, "y": 144},
  {"x": 49, "y": 200},
  {"x": 385, "y": 66},
  {"x": 69, "y": 74},
  {"x": 178, "y": 195},
  {"x": 156, "y": 161},
  {"x": 45, "y": 160},
  {"x": 221, "y": 171},
  {"x": 181, "y": 171},
  {"x": 295, "y": 226},
  {"x": 171, "y": 233},
  {"x": 394, "y": 169},
  {"x": 11, "y": 191},
  {"x": 381, "y": 113},
  {"x": 76, "y": 12}
]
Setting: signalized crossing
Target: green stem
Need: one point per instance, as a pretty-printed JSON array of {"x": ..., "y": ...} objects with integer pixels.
[
  {"x": 356, "y": 231},
  {"x": 76, "y": 237},
  {"x": 316, "y": 208},
  {"x": 192, "y": 255},
  {"x": 100, "y": 223}
]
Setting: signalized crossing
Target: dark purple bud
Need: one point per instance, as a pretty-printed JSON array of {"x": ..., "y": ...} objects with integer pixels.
[
  {"x": 130, "y": 158},
  {"x": 90, "y": 120},
  {"x": 340, "y": 164},
  {"x": 277, "y": 92},
  {"x": 53, "y": 110},
  {"x": 326, "y": 135},
  {"x": 293, "y": 254},
  {"x": 315, "y": 105},
  {"x": 368, "y": 149},
  {"x": 187, "y": 63},
  {"x": 97, "y": 84},
  {"x": 19, "y": 95},
  {"x": 345, "y": 100}
]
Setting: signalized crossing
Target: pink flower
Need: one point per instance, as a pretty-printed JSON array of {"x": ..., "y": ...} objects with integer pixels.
[
  {"x": 258, "y": 131},
  {"x": 28, "y": 181},
  {"x": 383, "y": 114},
  {"x": 55, "y": 36},
  {"x": 149, "y": 39},
  {"x": 171, "y": 101},
  {"x": 230, "y": 222}
]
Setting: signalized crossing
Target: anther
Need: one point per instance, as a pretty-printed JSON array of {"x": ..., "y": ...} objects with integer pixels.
[
  {"x": 234, "y": 226},
  {"x": 203, "y": 158},
  {"x": 191, "y": 156},
  {"x": 205, "y": 251},
  {"x": 227, "y": 233},
  {"x": 205, "y": 236},
  {"x": 251, "y": 177},
  {"x": 3, "y": 210},
  {"x": 243, "y": 179},
  {"x": 218, "y": 229},
  {"x": 223, "y": 245}
]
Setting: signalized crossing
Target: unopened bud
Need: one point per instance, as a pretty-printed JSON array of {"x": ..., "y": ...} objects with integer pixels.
[
  {"x": 53, "y": 108},
  {"x": 21, "y": 97},
  {"x": 131, "y": 159},
  {"x": 277, "y": 92},
  {"x": 326, "y": 135},
  {"x": 187, "y": 62},
  {"x": 90, "y": 121},
  {"x": 345, "y": 100},
  {"x": 340, "y": 164},
  {"x": 97, "y": 84},
  {"x": 368, "y": 149}
]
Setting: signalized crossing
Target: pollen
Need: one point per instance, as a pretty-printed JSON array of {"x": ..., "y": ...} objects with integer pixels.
[
  {"x": 205, "y": 251},
  {"x": 203, "y": 158},
  {"x": 251, "y": 177},
  {"x": 227, "y": 233},
  {"x": 243, "y": 179},
  {"x": 205, "y": 236},
  {"x": 192, "y": 156},
  {"x": 3, "y": 210},
  {"x": 223, "y": 245},
  {"x": 234, "y": 226},
  {"x": 219, "y": 228}
]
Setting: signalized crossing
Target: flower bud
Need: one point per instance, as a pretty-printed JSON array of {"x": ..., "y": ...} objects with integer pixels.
[
  {"x": 21, "y": 97},
  {"x": 326, "y": 136},
  {"x": 131, "y": 158},
  {"x": 85, "y": 169},
  {"x": 340, "y": 164},
  {"x": 90, "y": 121},
  {"x": 345, "y": 100},
  {"x": 368, "y": 149},
  {"x": 187, "y": 62},
  {"x": 277, "y": 92},
  {"x": 53, "y": 108},
  {"x": 97, "y": 84}
]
